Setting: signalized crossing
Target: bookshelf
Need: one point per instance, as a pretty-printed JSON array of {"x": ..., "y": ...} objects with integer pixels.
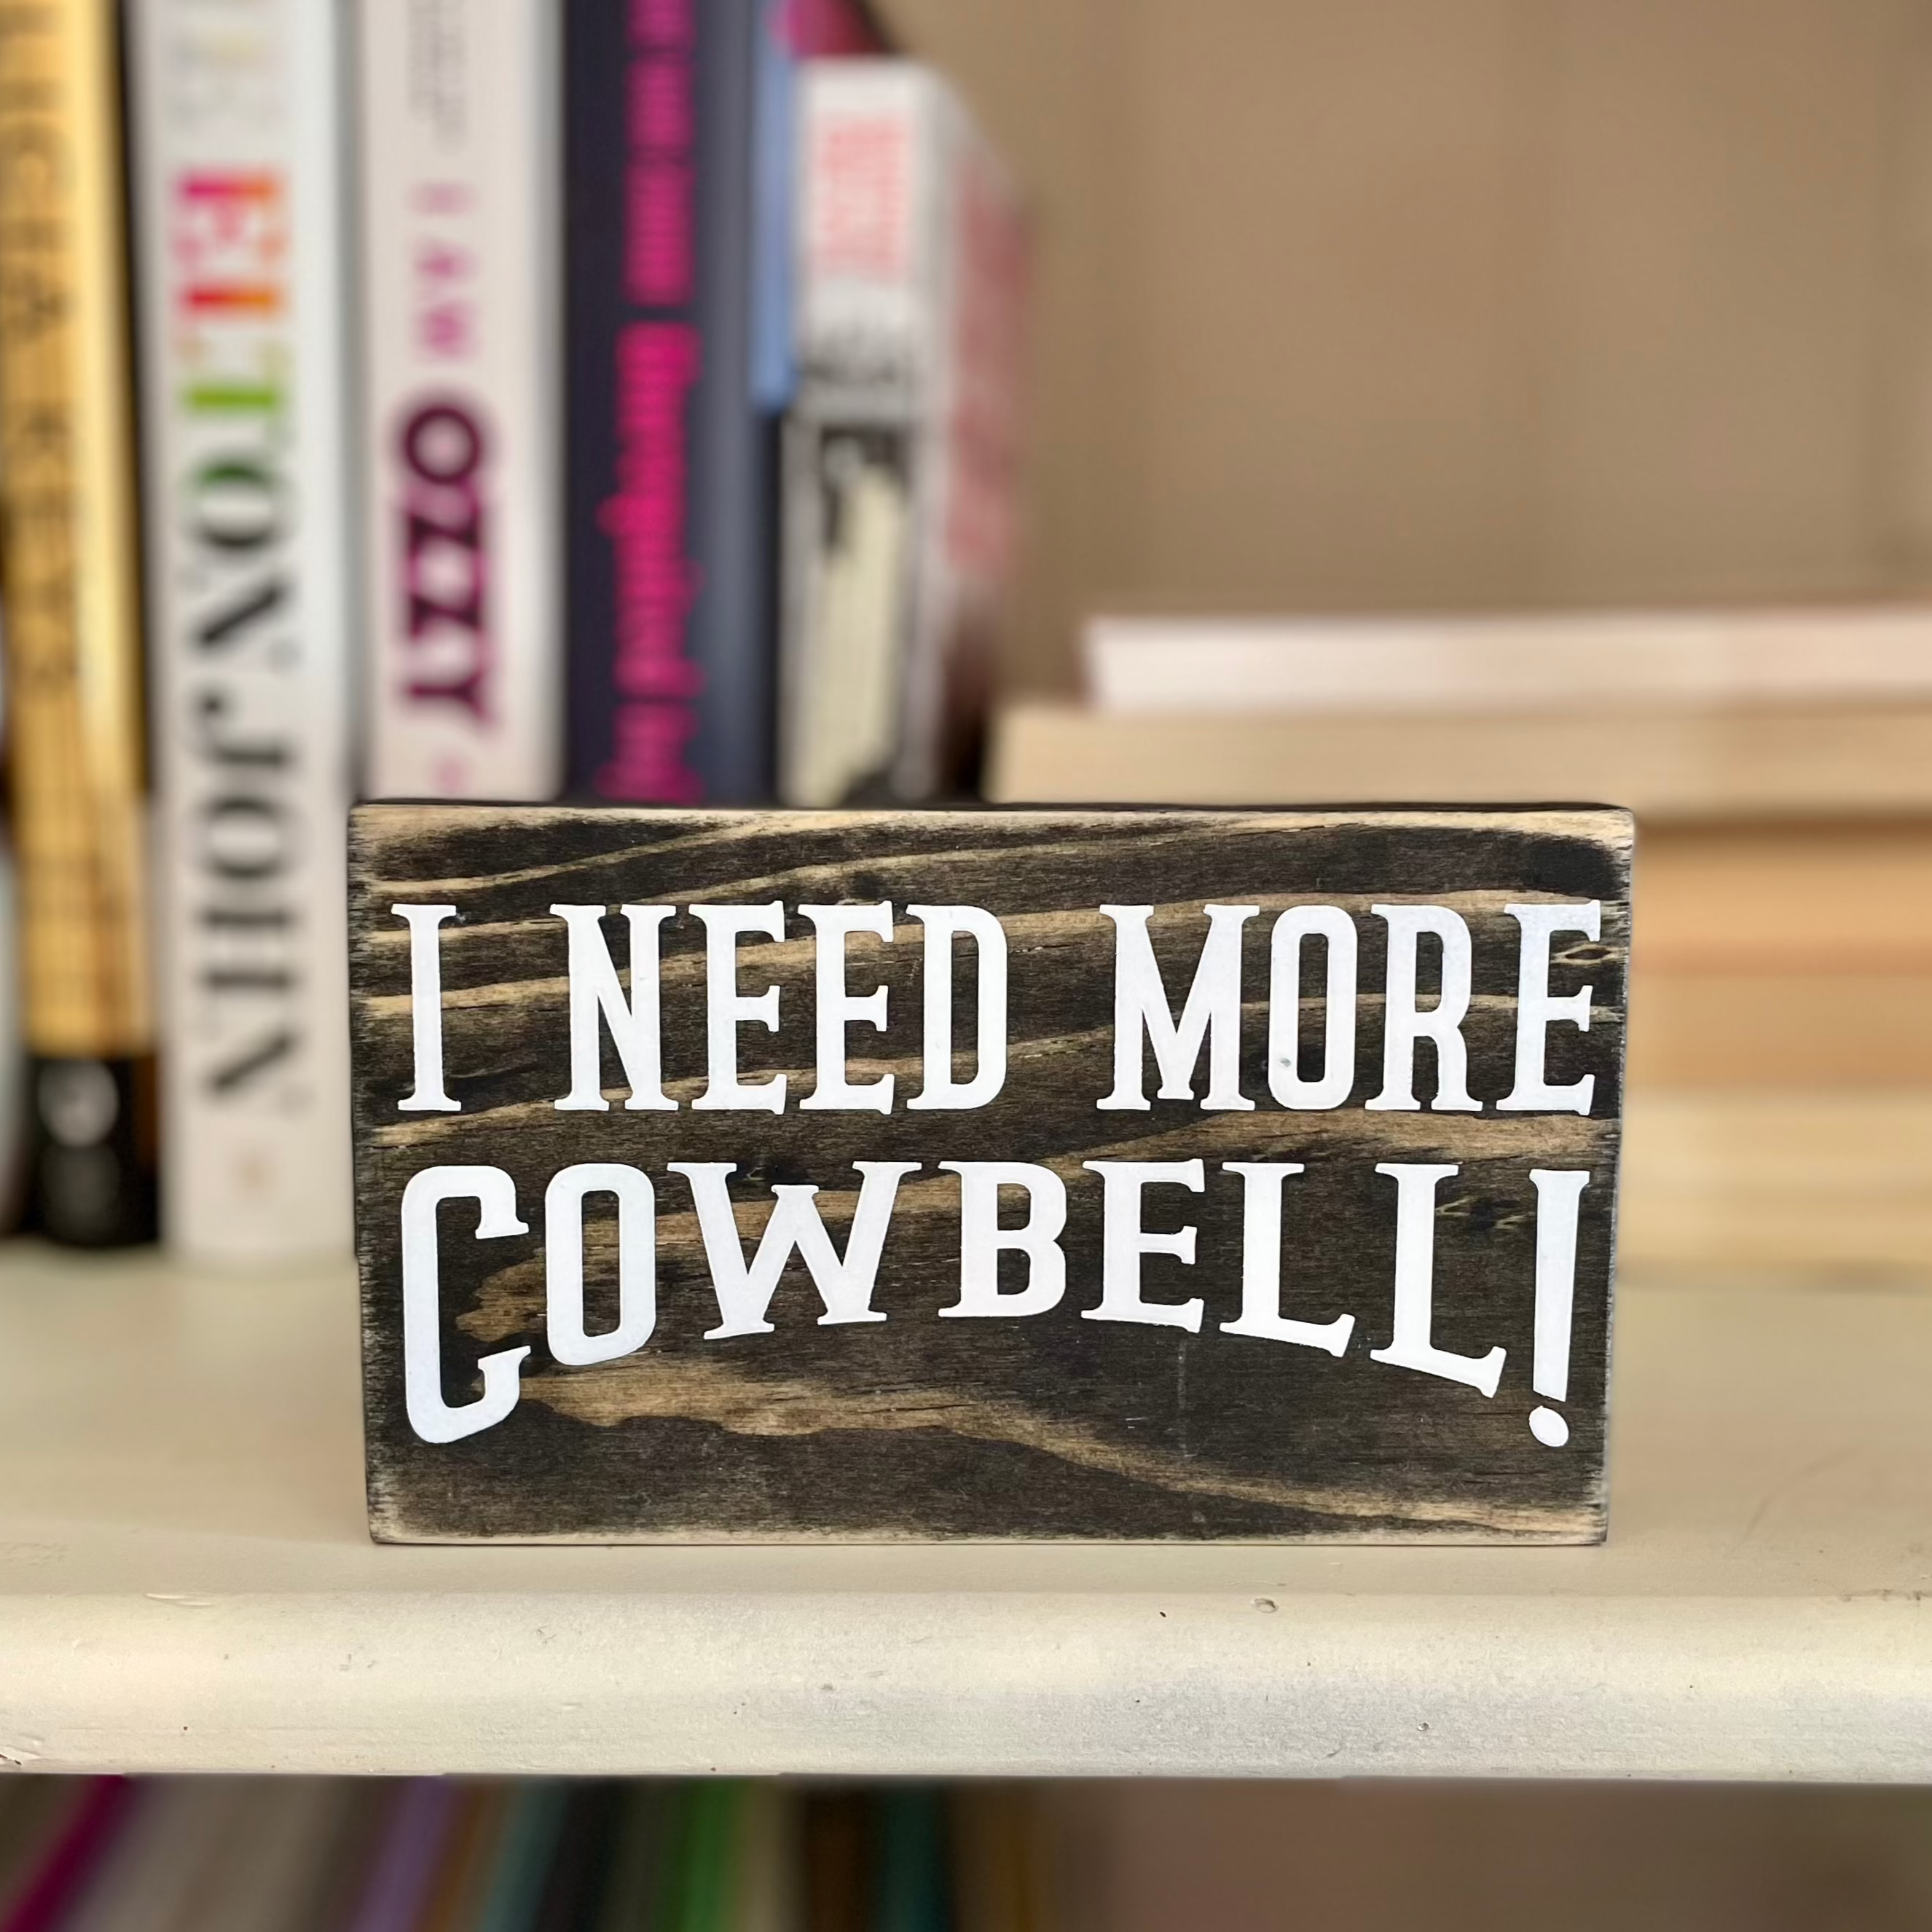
[
  {"x": 185, "y": 1585},
  {"x": 1442, "y": 304}
]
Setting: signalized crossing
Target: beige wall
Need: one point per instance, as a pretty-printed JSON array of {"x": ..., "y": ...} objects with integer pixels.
[{"x": 1352, "y": 303}]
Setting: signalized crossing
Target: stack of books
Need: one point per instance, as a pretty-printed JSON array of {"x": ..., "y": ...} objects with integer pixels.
[
  {"x": 1717, "y": 713},
  {"x": 603, "y": 398},
  {"x": 1780, "y": 763}
]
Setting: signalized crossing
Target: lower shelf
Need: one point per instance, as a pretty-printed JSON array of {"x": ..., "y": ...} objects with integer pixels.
[{"x": 185, "y": 1584}]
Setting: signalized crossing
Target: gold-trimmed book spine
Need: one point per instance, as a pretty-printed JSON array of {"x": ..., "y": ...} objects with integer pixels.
[{"x": 71, "y": 587}]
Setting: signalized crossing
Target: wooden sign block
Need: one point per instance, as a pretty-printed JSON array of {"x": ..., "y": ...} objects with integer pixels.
[{"x": 987, "y": 1174}]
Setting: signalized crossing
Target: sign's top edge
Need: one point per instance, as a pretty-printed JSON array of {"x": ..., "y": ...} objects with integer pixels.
[
  {"x": 1409, "y": 811},
  {"x": 1613, "y": 828}
]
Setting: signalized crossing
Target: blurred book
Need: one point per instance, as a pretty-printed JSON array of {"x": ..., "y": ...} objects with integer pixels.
[
  {"x": 673, "y": 384},
  {"x": 1582, "y": 660},
  {"x": 1735, "y": 994},
  {"x": 913, "y": 1888},
  {"x": 400, "y": 1882},
  {"x": 458, "y": 132},
  {"x": 47, "y": 1871},
  {"x": 634, "y": 1877},
  {"x": 38, "y": 1815},
  {"x": 901, "y": 450},
  {"x": 220, "y": 1854},
  {"x": 999, "y": 1859},
  {"x": 593, "y": 1812},
  {"x": 265, "y": 1875},
  {"x": 1678, "y": 762},
  {"x": 770, "y": 1889},
  {"x": 533, "y": 1827},
  {"x": 703, "y": 1872},
  {"x": 13, "y": 1061},
  {"x": 461, "y": 1888},
  {"x": 836, "y": 1833},
  {"x": 72, "y": 599},
  {"x": 236, "y": 153},
  {"x": 791, "y": 32},
  {"x": 848, "y": 544}
]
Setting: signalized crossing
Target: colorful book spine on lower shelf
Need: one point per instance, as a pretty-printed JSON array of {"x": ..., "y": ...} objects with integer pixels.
[
  {"x": 241, "y": 1854},
  {"x": 238, "y": 216},
  {"x": 460, "y": 220},
  {"x": 73, "y": 624}
]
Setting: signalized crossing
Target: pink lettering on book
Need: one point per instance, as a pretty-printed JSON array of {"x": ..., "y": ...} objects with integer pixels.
[
  {"x": 229, "y": 239},
  {"x": 662, "y": 23},
  {"x": 653, "y": 682},
  {"x": 445, "y": 574}
]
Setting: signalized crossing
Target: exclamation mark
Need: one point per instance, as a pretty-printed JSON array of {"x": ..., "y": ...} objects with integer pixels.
[{"x": 1558, "y": 1192}]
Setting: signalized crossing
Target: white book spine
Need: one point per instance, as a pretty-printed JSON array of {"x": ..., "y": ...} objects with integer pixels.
[
  {"x": 860, "y": 481},
  {"x": 460, "y": 203},
  {"x": 910, "y": 249},
  {"x": 238, "y": 215},
  {"x": 870, "y": 236},
  {"x": 863, "y": 347}
]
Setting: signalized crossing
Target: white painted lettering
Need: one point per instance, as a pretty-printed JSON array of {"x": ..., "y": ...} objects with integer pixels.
[
  {"x": 1213, "y": 1012},
  {"x": 981, "y": 1238},
  {"x": 1124, "y": 1241},
  {"x": 569, "y": 1341},
  {"x": 837, "y": 1009},
  {"x": 942, "y": 924},
  {"x": 1536, "y": 1011},
  {"x": 844, "y": 1283},
  {"x": 1337, "y": 931},
  {"x": 433, "y": 1419},
  {"x": 597, "y": 1000},
  {"x": 726, "y": 1010},
  {"x": 1411, "y": 1345},
  {"x": 1260, "y": 1264},
  {"x": 1559, "y": 1193},
  {"x": 1403, "y": 1025},
  {"x": 426, "y": 1007}
]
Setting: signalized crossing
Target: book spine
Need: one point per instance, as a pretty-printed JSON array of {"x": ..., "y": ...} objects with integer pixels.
[
  {"x": 459, "y": 204},
  {"x": 846, "y": 539},
  {"x": 852, "y": 446},
  {"x": 912, "y": 271},
  {"x": 866, "y": 185},
  {"x": 12, "y": 1054},
  {"x": 671, "y": 562},
  {"x": 976, "y": 273},
  {"x": 734, "y": 494},
  {"x": 790, "y": 32},
  {"x": 72, "y": 594},
  {"x": 239, "y": 222}
]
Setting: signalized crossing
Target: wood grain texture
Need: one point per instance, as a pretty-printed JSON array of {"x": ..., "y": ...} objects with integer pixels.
[{"x": 1046, "y": 1427}]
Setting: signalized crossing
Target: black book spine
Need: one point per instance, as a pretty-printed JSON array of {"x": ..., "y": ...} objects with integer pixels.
[
  {"x": 592, "y": 1815},
  {"x": 91, "y": 1151},
  {"x": 670, "y": 550}
]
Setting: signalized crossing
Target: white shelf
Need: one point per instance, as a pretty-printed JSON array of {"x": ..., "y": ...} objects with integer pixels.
[{"x": 185, "y": 1584}]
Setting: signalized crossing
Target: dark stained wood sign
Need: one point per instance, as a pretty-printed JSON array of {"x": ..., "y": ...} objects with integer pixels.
[{"x": 987, "y": 1174}]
